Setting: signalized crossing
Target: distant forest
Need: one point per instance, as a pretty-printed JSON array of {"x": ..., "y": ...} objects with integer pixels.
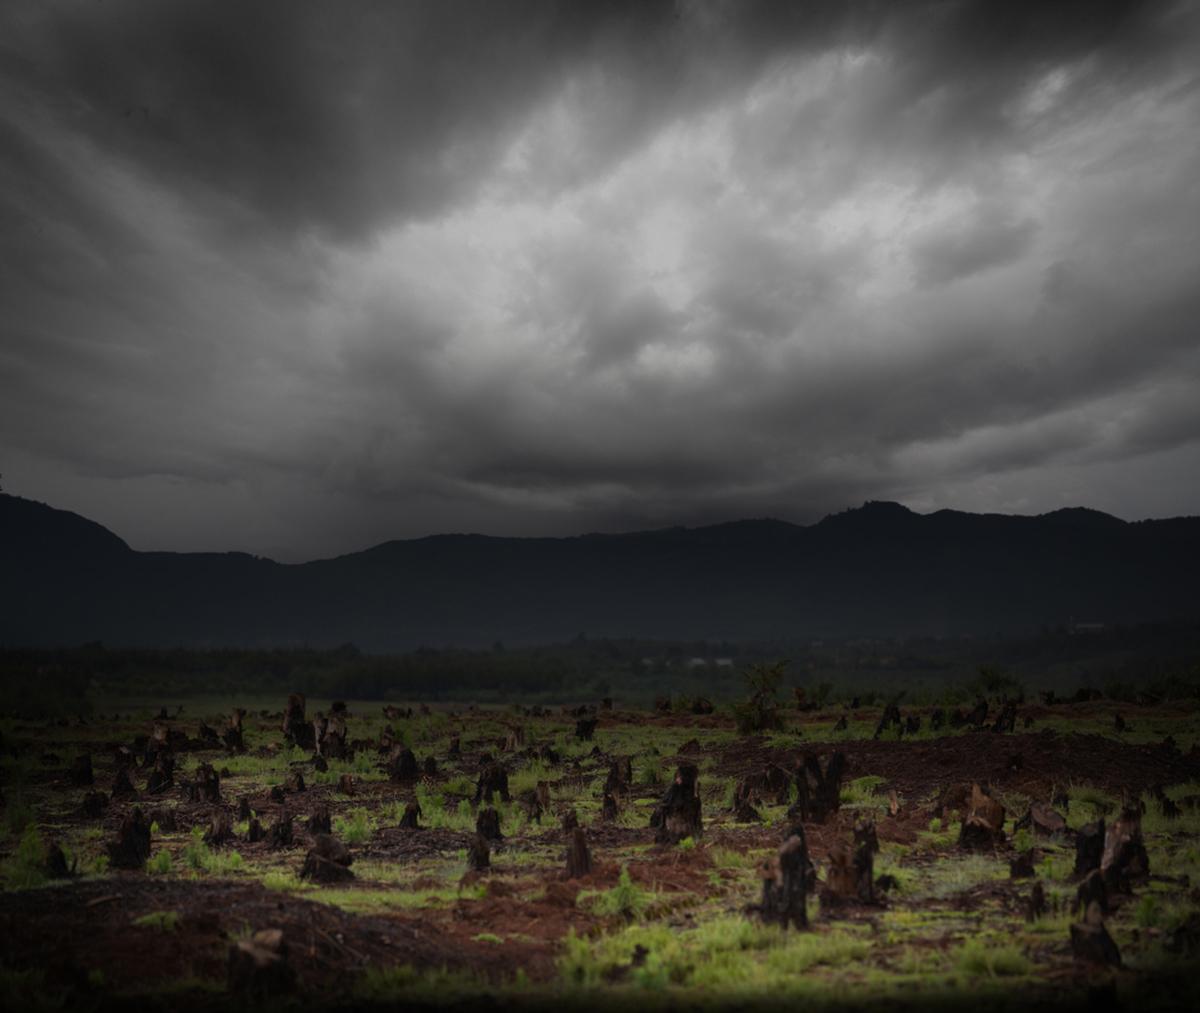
[{"x": 1162, "y": 659}]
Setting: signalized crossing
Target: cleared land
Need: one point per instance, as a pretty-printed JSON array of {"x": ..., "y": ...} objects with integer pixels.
[{"x": 652, "y": 923}]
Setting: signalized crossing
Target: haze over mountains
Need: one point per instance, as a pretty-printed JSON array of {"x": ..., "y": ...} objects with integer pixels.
[{"x": 880, "y": 571}]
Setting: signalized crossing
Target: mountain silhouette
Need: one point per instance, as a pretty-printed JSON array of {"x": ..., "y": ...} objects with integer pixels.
[{"x": 877, "y": 571}]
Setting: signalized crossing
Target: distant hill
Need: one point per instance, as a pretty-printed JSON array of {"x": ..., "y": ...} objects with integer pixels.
[{"x": 879, "y": 570}]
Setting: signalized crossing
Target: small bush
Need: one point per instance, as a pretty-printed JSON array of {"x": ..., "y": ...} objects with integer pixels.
[
  {"x": 26, "y": 868},
  {"x": 160, "y": 864},
  {"x": 161, "y": 921},
  {"x": 626, "y": 899},
  {"x": 991, "y": 960},
  {"x": 356, "y": 827}
]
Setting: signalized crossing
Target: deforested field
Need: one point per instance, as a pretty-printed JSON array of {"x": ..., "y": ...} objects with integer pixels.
[{"x": 313, "y": 853}]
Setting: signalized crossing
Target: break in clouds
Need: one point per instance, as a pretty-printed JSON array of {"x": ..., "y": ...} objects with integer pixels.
[{"x": 296, "y": 278}]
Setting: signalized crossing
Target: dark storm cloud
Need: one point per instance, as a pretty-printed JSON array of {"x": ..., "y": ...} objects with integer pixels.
[{"x": 297, "y": 277}]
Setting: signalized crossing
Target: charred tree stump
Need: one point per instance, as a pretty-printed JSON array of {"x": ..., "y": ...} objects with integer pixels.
[
  {"x": 162, "y": 776},
  {"x": 455, "y": 749},
  {"x": 243, "y": 809},
  {"x": 319, "y": 820},
  {"x": 487, "y": 824},
  {"x": 479, "y": 856},
  {"x": 131, "y": 849},
  {"x": 978, "y": 715},
  {"x": 1124, "y": 860},
  {"x": 80, "y": 772},
  {"x": 281, "y": 834},
  {"x": 983, "y": 826},
  {"x": 543, "y": 795},
  {"x": 570, "y": 820},
  {"x": 165, "y": 818},
  {"x": 258, "y": 968},
  {"x": 585, "y": 728},
  {"x": 346, "y": 784},
  {"x": 1006, "y": 721},
  {"x": 579, "y": 859},
  {"x": 841, "y": 724},
  {"x": 1091, "y": 890},
  {"x": 1021, "y": 867},
  {"x": 122, "y": 786},
  {"x": 1090, "y": 941},
  {"x": 785, "y": 884},
  {"x": 232, "y": 737},
  {"x": 851, "y": 875},
  {"x": 937, "y": 720},
  {"x": 890, "y": 718},
  {"x": 609, "y": 811},
  {"x": 1089, "y": 847},
  {"x": 678, "y": 815},
  {"x": 255, "y": 831},
  {"x": 702, "y": 705},
  {"x": 412, "y": 814},
  {"x": 1042, "y": 821},
  {"x": 1035, "y": 905},
  {"x": 206, "y": 787},
  {"x": 818, "y": 792},
  {"x": 402, "y": 765},
  {"x": 94, "y": 804},
  {"x": 493, "y": 781},
  {"x": 429, "y": 767},
  {"x": 912, "y": 724},
  {"x": 327, "y": 861},
  {"x": 295, "y": 783},
  {"x": 220, "y": 829},
  {"x": 296, "y": 728}
]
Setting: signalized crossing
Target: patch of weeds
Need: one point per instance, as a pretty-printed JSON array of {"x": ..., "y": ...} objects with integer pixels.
[
  {"x": 199, "y": 857},
  {"x": 991, "y": 959},
  {"x": 284, "y": 881},
  {"x": 160, "y": 921},
  {"x": 355, "y": 827},
  {"x": 487, "y": 937},
  {"x": 26, "y": 868},
  {"x": 160, "y": 863},
  {"x": 687, "y": 844},
  {"x": 861, "y": 791},
  {"x": 626, "y": 899}
]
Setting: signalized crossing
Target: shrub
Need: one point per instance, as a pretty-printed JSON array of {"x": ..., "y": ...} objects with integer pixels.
[
  {"x": 760, "y": 711},
  {"x": 626, "y": 899}
]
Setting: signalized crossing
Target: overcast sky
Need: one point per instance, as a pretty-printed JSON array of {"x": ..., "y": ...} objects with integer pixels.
[{"x": 297, "y": 278}]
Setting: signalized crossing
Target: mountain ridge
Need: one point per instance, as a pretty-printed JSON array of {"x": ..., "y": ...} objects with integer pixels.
[{"x": 876, "y": 570}]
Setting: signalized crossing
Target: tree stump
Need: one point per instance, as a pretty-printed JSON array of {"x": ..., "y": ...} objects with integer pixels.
[
  {"x": 487, "y": 824},
  {"x": 402, "y": 765},
  {"x": 220, "y": 829},
  {"x": 912, "y": 724},
  {"x": 579, "y": 859},
  {"x": 978, "y": 714},
  {"x": 429, "y": 767},
  {"x": 662, "y": 703},
  {"x": 493, "y": 781},
  {"x": 243, "y": 809},
  {"x": 165, "y": 818},
  {"x": 851, "y": 875},
  {"x": 570, "y": 820},
  {"x": 1089, "y": 847},
  {"x": 206, "y": 786},
  {"x": 890, "y": 718},
  {"x": 346, "y": 784},
  {"x": 94, "y": 804},
  {"x": 296, "y": 728},
  {"x": 258, "y": 968},
  {"x": 841, "y": 724},
  {"x": 232, "y": 737},
  {"x": 1042, "y": 821},
  {"x": 585, "y": 728},
  {"x": 122, "y": 786},
  {"x": 295, "y": 783},
  {"x": 1006, "y": 721},
  {"x": 937, "y": 720},
  {"x": 1124, "y": 860},
  {"x": 455, "y": 749},
  {"x": 1091, "y": 890},
  {"x": 412, "y": 813},
  {"x": 55, "y": 866},
  {"x": 1035, "y": 906},
  {"x": 131, "y": 849},
  {"x": 983, "y": 826},
  {"x": 327, "y": 861},
  {"x": 701, "y": 705},
  {"x": 281, "y": 834},
  {"x": 255, "y": 831},
  {"x": 608, "y": 809},
  {"x": 818, "y": 792},
  {"x": 515, "y": 740},
  {"x": 785, "y": 879},
  {"x": 478, "y": 855},
  {"x": 678, "y": 815},
  {"x": 549, "y": 755},
  {"x": 543, "y": 795},
  {"x": 80, "y": 773},
  {"x": 1090, "y": 941},
  {"x": 319, "y": 820},
  {"x": 1021, "y": 867}
]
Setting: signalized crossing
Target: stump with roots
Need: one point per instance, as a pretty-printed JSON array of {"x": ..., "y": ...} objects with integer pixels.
[
  {"x": 579, "y": 859},
  {"x": 983, "y": 825},
  {"x": 402, "y": 765},
  {"x": 487, "y": 824},
  {"x": 412, "y": 814},
  {"x": 131, "y": 848},
  {"x": 493, "y": 781},
  {"x": 678, "y": 814},
  {"x": 258, "y": 967},
  {"x": 327, "y": 861},
  {"x": 1089, "y": 847},
  {"x": 785, "y": 879},
  {"x": 479, "y": 857},
  {"x": 818, "y": 792},
  {"x": 296, "y": 728}
]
